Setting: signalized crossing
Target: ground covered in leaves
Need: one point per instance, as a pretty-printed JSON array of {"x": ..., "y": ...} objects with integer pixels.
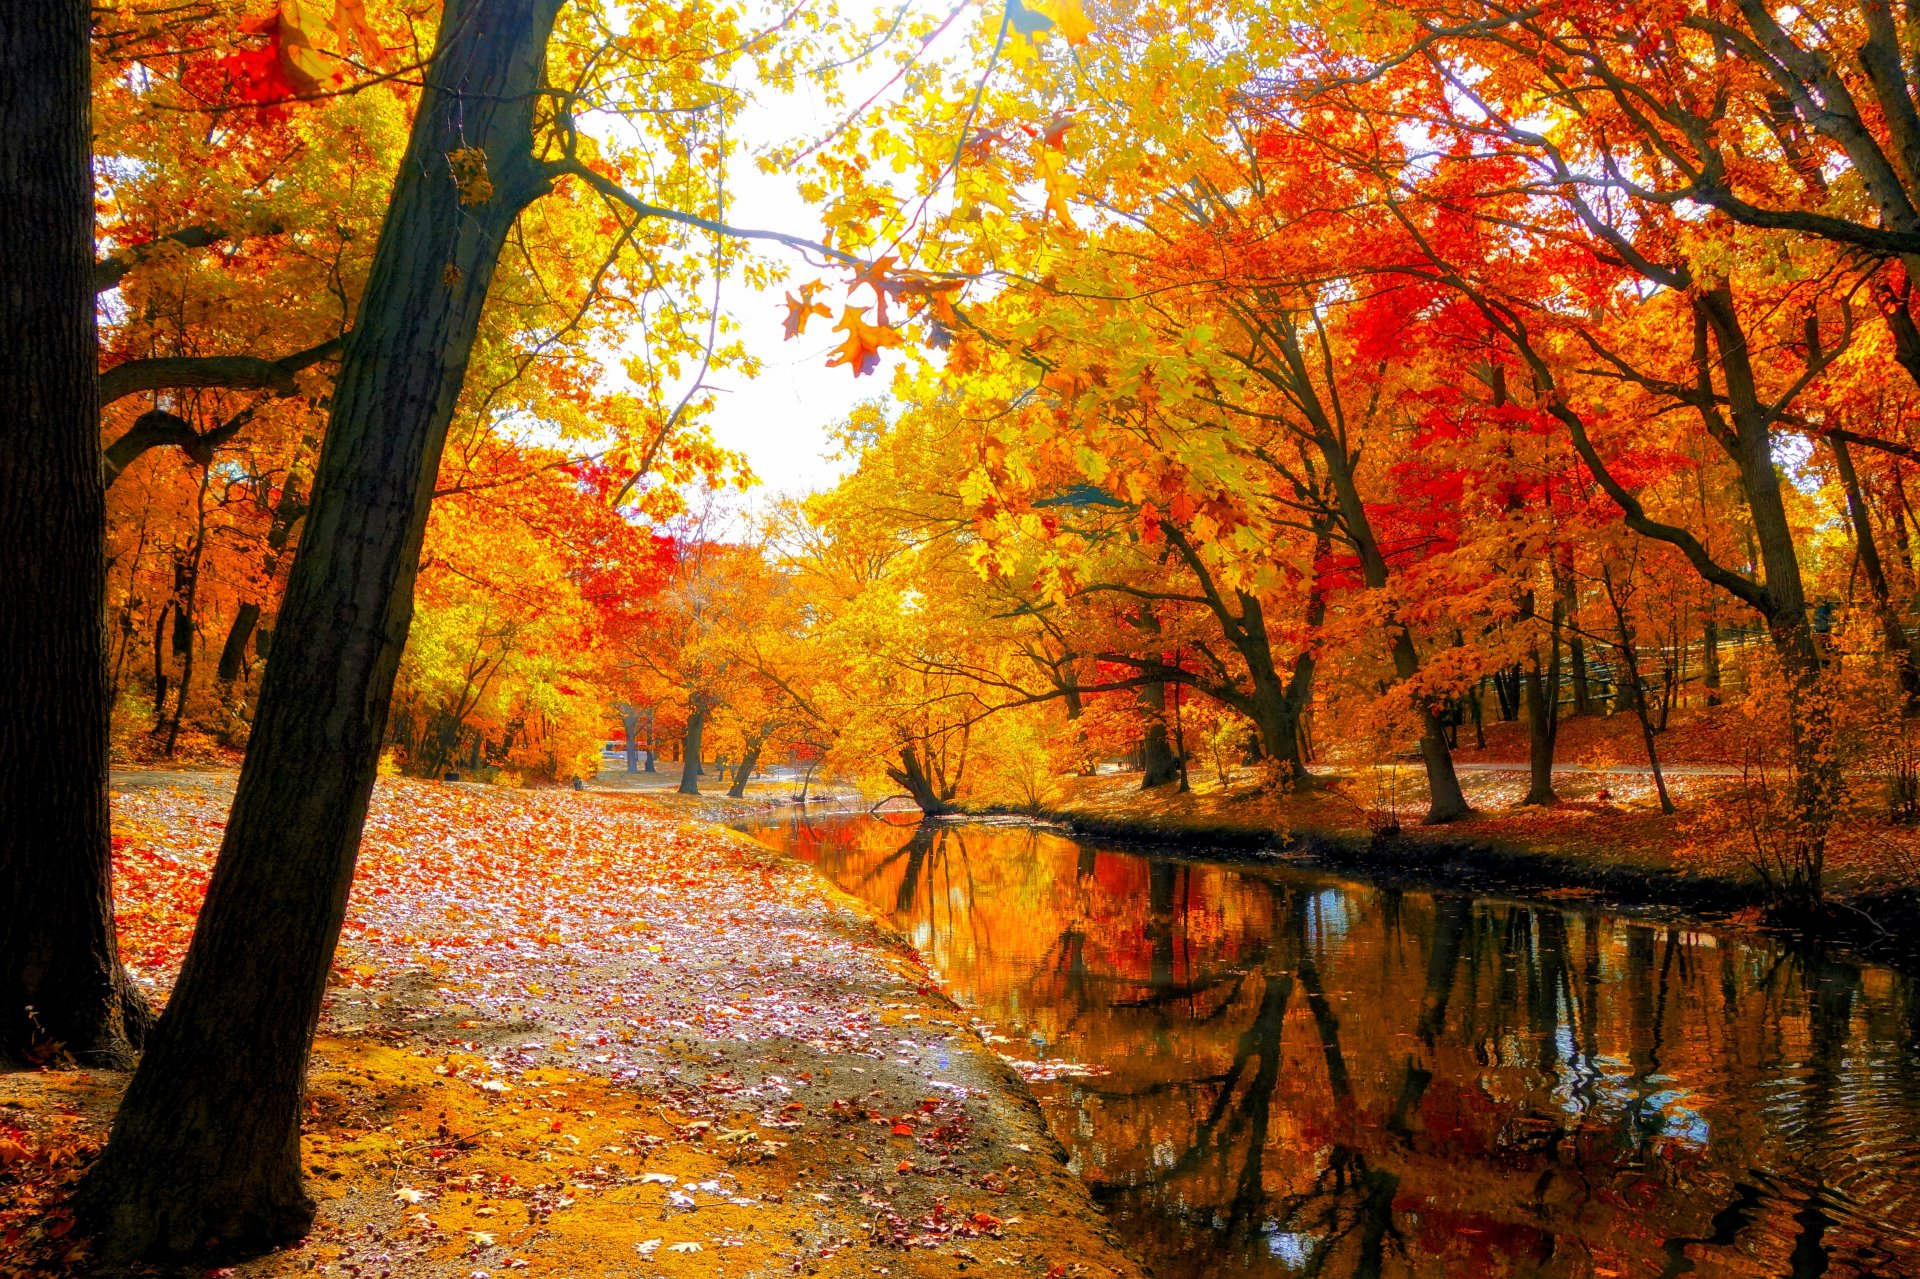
[
  {"x": 577, "y": 1034},
  {"x": 1608, "y": 817}
]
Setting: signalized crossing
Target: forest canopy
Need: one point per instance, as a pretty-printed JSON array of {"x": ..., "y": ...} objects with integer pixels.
[{"x": 1264, "y": 399}]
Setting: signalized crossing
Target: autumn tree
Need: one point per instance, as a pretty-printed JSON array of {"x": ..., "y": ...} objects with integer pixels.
[{"x": 61, "y": 984}]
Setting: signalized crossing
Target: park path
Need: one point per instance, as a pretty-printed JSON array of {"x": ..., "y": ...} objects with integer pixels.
[{"x": 576, "y": 1034}]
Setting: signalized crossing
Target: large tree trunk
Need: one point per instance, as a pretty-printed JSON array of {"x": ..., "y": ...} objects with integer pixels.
[
  {"x": 233, "y": 653},
  {"x": 748, "y": 762},
  {"x": 60, "y": 975},
  {"x": 1158, "y": 766},
  {"x": 630, "y": 725},
  {"x": 913, "y": 778},
  {"x": 287, "y": 512},
  {"x": 1582, "y": 689},
  {"x": 206, "y": 1146},
  {"x": 690, "y": 756}
]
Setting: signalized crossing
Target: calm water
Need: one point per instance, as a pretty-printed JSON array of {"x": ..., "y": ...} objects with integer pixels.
[{"x": 1302, "y": 1075}]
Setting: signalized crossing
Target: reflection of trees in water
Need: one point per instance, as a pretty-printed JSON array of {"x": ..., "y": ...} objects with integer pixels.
[
  {"x": 1344, "y": 1082},
  {"x": 1347, "y": 1209},
  {"x": 1516, "y": 988}
]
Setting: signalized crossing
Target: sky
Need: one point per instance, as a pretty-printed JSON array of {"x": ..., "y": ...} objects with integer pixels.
[{"x": 780, "y": 420}]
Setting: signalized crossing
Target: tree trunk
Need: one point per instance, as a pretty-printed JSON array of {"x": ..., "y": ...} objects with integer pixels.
[
  {"x": 1893, "y": 634},
  {"x": 1710, "y": 661},
  {"x": 287, "y": 512},
  {"x": 912, "y": 778},
  {"x": 60, "y": 975},
  {"x": 630, "y": 725},
  {"x": 1543, "y": 711},
  {"x": 1158, "y": 766},
  {"x": 1506, "y": 689},
  {"x": 206, "y": 1146},
  {"x": 748, "y": 762},
  {"x": 1447, "y": 802},
  {"x": 1582, "y": 689},
  {"x": 160, "y": 661},
  {"x": 690, "y": 754},
  {"x": 1634, "y": 690},
  {"x": 233, "y": 653}
]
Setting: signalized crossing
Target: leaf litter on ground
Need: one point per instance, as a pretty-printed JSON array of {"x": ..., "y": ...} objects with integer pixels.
[{"x": 575, "y": 1033}]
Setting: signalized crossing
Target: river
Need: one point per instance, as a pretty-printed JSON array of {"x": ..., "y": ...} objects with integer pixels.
[{"x": 1270, "y": 1071}]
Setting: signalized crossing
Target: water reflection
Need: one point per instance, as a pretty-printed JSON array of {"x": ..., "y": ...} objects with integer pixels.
[{"x": 1316, "y": 1077}]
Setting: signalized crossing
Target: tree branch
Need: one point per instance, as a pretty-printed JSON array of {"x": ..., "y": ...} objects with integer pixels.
[
  {"x": 157, "y": 428},
  {"x": 239, "y": 372},
  {"x": 108, "y": 272}
]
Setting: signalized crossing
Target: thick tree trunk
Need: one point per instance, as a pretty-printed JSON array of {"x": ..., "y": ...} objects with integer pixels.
[
  {"x": 748, "y": 762},
  {"x": 205, "y": 1149},
  {"x": 1277, "y": 706},
  {"x": 630, "y": 725},
  {"x": 160, "y": 661},
  {"x": 60, "y": 977},
  {"x": 1710, "y": 661},
  {"x": 1506, "y": 691},
  {"x": 287, "y": 512},
  {"x": 912, "y": 777},
  {"x": 1447, "y": 802},
  {"x": 1158, "y": 766},
  {"x": 690, "y": 754},
  {"x": 233, "y": 653}
]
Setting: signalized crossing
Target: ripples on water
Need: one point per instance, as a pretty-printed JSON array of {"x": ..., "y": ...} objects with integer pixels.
[{"x": 1311, "y": 1076}]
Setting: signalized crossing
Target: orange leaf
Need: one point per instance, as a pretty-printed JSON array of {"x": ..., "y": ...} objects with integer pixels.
[
  {"x": 803, "y": 308},
  {"x": 861, "y": 350}
]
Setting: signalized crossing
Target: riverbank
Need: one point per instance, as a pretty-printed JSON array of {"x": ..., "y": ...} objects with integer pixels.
[
  {"x": 575, "y": 1034},
  {"x": 1606, "y": 841}
]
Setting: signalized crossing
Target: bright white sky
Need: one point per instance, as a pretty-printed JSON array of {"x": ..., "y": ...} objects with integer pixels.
[{"x": 780, "y": 419}]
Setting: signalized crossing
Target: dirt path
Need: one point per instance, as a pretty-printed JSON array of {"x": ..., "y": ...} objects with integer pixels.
[{"x": 572, "y": 1034}]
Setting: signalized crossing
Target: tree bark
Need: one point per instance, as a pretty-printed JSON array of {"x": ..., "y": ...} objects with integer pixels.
[
  {"x": 233, "y": 653},
  {"x": 1542, "y": 692},
  {"x": 630, "y": 724},
  {"x": 748, "y": 762},
  {"x": 1710, "y": 661},
  {"x": 1158, "y": 766},
  {"x": 61, "y": 982},
  {"x": 1274, "y": 705},
  {"x": 1446, "y": 802},
  {"x": 913, "y": 778},
  {"x": 205, "y": 1149},
  {"x": 690, "y": 755},
  {"x": 1582, "y": 689}
]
